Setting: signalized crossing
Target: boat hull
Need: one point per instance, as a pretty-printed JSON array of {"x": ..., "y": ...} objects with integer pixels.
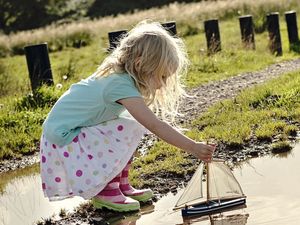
[{"x": 211, "y": 207}]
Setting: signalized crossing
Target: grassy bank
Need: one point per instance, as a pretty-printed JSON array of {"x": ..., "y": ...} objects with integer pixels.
[
  {"x": 263, "y": 113},
  {"x": 21, "y": 115}
]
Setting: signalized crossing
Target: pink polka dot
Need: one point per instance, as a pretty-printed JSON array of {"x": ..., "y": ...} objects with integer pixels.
[
  {"x": 75, "y": 140},
  {"x": 100, "y": 154},
  {"x": 54, "y": 146},
  {"x": 49, "y": 153},
  {"x": 66, "y": 154},
  {"x": 104, "y": 165},
  {"x": 83, "y": 135},
  {"x": 46, "y": 143},
  {"x": 120, "y": 128},
  {"x": 43, "y": 159},
  {"x": 43, "y": 186},
  {"x": 90, "y": 157},
  {"x": 79, "y": 173},
  {"x": 57, "y": 179},
  {"x": 71, "y": 193},
  {"x": 49, "y": 170},
  {"x": 110, "y": 151}
]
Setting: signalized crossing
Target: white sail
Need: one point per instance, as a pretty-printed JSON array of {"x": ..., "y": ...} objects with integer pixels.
[
  {"x": 193, "y": 191},
  {"x": 222, "y": 183}
]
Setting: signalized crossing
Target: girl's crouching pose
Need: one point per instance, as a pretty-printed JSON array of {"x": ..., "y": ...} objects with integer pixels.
[{"x": 88, "y": 142}]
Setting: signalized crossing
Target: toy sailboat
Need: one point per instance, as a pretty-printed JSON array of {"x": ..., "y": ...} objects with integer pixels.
[{"x": 222, "y": 191}]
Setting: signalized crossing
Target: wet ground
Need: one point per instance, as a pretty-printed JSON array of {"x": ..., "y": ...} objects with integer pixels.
[{"x": 271, "y": 184}]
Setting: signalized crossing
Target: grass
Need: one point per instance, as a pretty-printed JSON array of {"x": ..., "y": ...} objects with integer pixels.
[
  {"x": 67, "y": 35},
  {"x": 264, "y": 111},
  {"x": 255, "y": 112}
]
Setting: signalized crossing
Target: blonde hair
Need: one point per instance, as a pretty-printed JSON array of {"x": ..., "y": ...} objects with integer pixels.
[{"x": 146, "y": 52}]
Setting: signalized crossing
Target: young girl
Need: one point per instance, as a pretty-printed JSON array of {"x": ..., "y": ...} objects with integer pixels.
[{"x": 87, "y": 142}]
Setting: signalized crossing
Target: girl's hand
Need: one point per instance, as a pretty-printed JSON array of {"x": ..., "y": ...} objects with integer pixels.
[
  {"x": 140, "y": 111},
  {"x": 203, "y": 151}
]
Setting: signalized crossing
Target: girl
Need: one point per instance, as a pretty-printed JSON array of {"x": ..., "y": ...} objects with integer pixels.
[{"x": 87, "y": 141}]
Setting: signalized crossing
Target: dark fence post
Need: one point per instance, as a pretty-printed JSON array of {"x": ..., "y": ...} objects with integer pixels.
[
  {"x": 291, "y": 21},
  {"x": 274, "y": 33},
  {"x": 212, "y": 34},
  {"x": 171, "y": 27},
  {"x": 247, "y": 33},
  {"x": 114, "y": 38},
  {"x": 38, "y": 64}
]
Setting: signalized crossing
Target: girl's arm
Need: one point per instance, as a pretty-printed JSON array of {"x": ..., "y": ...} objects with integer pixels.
[{"x": 140, "y": 111}]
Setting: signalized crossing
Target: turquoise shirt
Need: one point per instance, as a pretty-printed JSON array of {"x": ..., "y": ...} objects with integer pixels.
[{"x": 87, "y": 103}]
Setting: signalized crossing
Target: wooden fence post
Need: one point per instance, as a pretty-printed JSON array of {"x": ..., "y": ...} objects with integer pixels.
[
  {"x": 274, "y": 33},
  {"x": 114, "y": 38},
  {"x": 247, "y": 33},
  {"x": 171, "y": 27},
  {"x": 212, "y": 34},
  {"x": 38, "y": 64},
  {"x": 291, "y": 21}
]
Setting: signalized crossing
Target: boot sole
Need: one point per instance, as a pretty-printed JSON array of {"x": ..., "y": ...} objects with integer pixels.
[
  {"x": 142, "y": 198},
  {"x": 99, "y": 204}
]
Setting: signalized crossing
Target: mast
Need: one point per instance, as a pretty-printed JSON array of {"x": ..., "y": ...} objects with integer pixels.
[{"x": 207, "y": 182}]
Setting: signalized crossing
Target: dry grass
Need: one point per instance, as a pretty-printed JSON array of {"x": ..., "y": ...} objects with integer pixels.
[{"x": 196, "y": 12}]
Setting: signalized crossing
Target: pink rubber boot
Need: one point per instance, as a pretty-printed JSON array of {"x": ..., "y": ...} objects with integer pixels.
[
  {"x": 112, "y": 198},
  {"x": 142, "y": 195}
]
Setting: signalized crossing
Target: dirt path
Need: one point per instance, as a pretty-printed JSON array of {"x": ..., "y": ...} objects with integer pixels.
[{"x": 208, "y": 94}]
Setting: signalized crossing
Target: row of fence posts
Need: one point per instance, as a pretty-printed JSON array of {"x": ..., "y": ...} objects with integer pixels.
[{"x": 39, "y": 67}]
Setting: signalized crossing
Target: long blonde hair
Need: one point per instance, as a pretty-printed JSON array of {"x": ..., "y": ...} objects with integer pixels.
[{"x": 146, "y": 52}]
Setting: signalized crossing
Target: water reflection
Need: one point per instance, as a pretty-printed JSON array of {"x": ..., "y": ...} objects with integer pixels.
[
  {"x": 22, "y": 200},
  {"x": 219, "y": 219}
]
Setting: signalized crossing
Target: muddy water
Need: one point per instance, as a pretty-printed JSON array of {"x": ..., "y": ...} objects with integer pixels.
[
  {"x": 272, "y": 186},
  {"x": 270, "y": 183}
]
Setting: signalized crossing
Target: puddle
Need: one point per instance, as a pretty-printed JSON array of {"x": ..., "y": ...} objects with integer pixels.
[
  {"x": 22, "y": 200},
  {"x": 273, "y": 196},
  {"x": 270, "y": 183}
]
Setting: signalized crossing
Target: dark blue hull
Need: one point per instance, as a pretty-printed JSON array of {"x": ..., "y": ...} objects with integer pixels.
[{"x": 211, "y": 207}]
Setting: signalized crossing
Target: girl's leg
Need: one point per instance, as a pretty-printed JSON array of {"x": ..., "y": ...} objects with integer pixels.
[
  {"x": 112, "y": 198},
  {"x": 139, "y": 195}
]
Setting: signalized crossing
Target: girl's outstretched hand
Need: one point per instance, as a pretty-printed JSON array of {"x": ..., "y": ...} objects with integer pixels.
[{"x": 203, "y": 151}]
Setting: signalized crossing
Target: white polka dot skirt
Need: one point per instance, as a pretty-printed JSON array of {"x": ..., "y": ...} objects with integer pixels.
[{"x": 95, "y": 156}]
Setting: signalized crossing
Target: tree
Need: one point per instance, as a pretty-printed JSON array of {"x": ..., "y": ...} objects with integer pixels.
[{"x": 21, "y": 15}]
